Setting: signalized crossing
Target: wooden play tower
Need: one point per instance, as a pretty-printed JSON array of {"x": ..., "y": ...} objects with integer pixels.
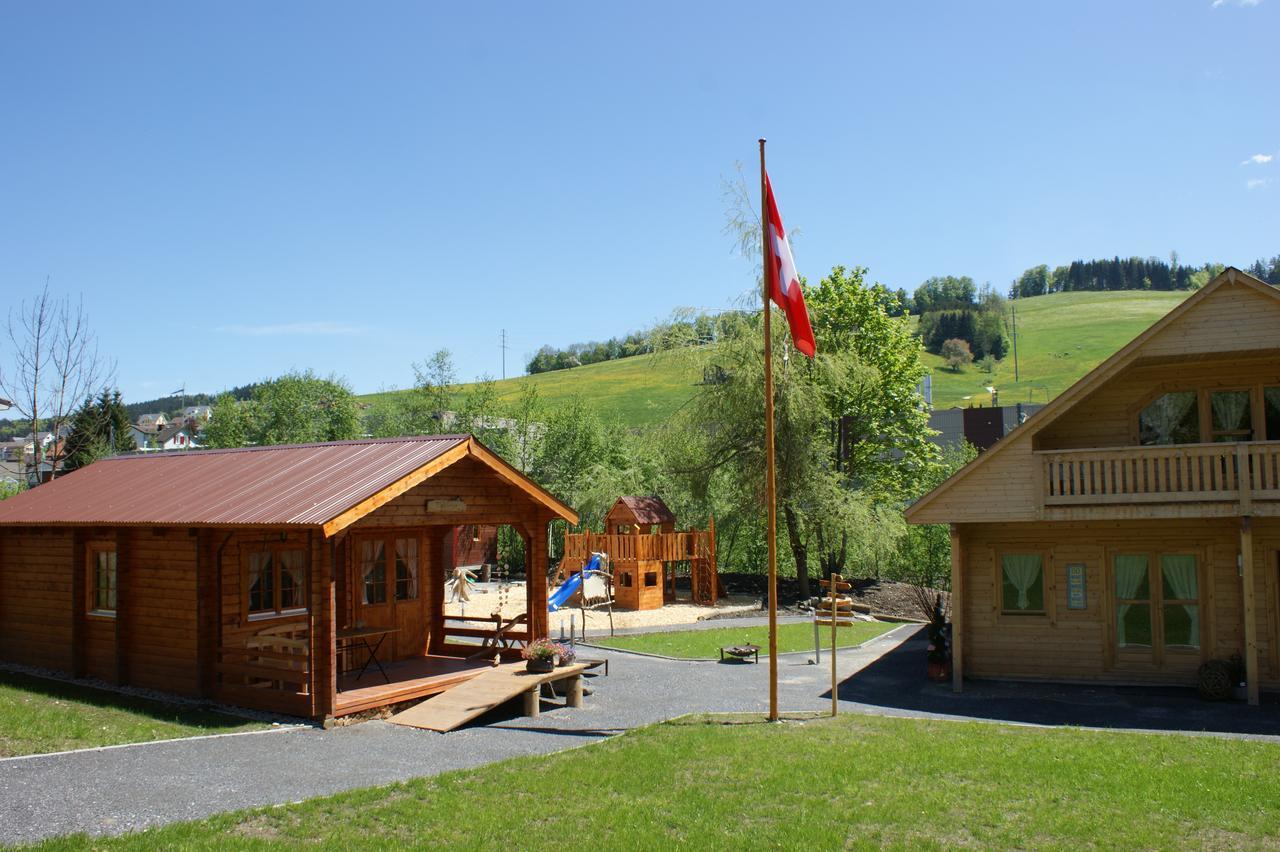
[{"x": 644, "y": 549}]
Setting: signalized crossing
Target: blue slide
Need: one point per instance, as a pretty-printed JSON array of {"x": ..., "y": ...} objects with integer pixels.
[{"x": 561, "y": 595}]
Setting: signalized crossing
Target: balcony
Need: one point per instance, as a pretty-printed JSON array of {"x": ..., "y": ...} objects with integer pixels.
[{"x": 1242, "y": 473}]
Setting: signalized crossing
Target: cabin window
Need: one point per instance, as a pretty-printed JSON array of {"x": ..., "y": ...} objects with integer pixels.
[
  {"x": 407, "y": 569},
  {"x": 1022, "y": 584},
  {"x": 1231, "y": 416},
  {"x": 1271, "y": 408},
  {"x": 102, "y": 581},
  {"x": 277, "y": 581},
  {"x": 1133, "y": 601},
  {"x": 373, "y": 572},
  {"x": 1173, "y": 418},
  {"x": 1180, "y": 593}
]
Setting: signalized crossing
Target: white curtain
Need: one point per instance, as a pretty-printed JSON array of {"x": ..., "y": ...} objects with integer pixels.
[
  {"x": 1022, "y": 572},
  {"x": 372, "y": 568},
  {"x": 407, "y": 562},
  {"x": 1230, "y": 410},
  {"x": 1130, "y": 572},
  {"x": 1163, "y": 416},
  {"x": 1180, "y": 583},
  {"x": 293, "y": 563}
]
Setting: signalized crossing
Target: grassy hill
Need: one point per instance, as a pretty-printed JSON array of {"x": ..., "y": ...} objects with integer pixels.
[{"x": 1060, "y": 338}]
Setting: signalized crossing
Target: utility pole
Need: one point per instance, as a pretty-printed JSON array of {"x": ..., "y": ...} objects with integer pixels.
[
  {"x": 504, "y": 353},
  {"x": 1014, "y": 308}
]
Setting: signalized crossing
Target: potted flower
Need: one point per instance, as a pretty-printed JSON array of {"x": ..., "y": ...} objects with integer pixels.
[
  {"x": 567, "y": 654},
  {"x": 540, "y": 656},
  {"x": 939, "y": 661}
]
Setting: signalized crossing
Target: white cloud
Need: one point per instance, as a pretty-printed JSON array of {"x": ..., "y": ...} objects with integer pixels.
[
  {"x": 1216, "y": 3},
  {"x": 1256, "y": 183},
  {"x": 1258, "y": 160},
  {"x": 293, "y": 329}
]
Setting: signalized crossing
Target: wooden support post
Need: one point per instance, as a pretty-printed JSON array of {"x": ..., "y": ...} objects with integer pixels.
[
  {"x": 957, "y": 610},
  {"x": 323, "y": 627},
  {"x": 574, "y": 688},
  {"x": 535, "y": 538},
  {"x": 433, "y": 588},
  {"x": 1250, "y": 609},
  {"x": 533, "y": 701},
  {"x": 79, "y": 602}
]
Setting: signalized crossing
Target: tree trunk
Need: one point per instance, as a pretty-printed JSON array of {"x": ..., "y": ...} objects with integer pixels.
[{"x": 798, "y": 551}]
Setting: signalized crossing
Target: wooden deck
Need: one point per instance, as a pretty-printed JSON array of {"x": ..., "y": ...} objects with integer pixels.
[
  {"x": 414, "y": 678},
  {"x": 494, "y": 686}
]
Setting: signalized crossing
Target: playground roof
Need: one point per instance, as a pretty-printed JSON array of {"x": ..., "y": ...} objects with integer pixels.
[{"x": 648, "y": 510}]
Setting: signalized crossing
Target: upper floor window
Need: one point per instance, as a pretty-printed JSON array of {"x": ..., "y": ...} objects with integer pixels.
[
  {"x": 1231, "y": 415},
  {"x": 1173, "y": 418},
  {"x": 1271, "y": 410}
]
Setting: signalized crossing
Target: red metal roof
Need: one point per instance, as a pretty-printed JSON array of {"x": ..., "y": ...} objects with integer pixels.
[
  {"x": 305, "y": 484},
  {"x": 649, "y": 510}
]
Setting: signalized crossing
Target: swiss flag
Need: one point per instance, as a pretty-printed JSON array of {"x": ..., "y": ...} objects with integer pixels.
[{"x": 783, "y": 280}]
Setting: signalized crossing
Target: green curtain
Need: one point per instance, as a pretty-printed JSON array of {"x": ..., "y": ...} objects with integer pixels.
[
  {"x": 1230, "y": 410},
  {"x": 1131, "y": 570},
  {"x": 1163, "y": 417},
  {"x": 1180, "y": 583},
  {"x": 1022, "y": 571}
]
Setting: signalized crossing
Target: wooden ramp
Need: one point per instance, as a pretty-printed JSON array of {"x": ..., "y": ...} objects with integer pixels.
[{"x": 482, "y": 693}]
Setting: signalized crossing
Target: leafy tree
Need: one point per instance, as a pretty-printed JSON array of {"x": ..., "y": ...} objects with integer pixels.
[
  {"x": 924, "y": 550},
  {"x": 296, "y": 408},
  {"x": 956, "y": 352},
  {"x": 99, "y": 428},
  {"x": 946, "y": 292}
]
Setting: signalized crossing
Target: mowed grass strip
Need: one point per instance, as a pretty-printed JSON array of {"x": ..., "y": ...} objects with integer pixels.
[
  {"x": 706, "y": 644},
  {"x": 853, "y": 781},
  {"x": 39, "y": 715}
]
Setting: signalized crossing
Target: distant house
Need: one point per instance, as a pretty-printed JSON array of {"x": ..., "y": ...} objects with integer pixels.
[
  {"x": 198, "y": 413},
  {"x": 141, "y": 438},
  {"x": 152, "y": 422},
  {"x": 173, "y": 438},
  {"x": 1129, "y": 532},
  {"x": 981, "y": 427}
]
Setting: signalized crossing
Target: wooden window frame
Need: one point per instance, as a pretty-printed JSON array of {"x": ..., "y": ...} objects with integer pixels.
[
  {"x": 388, "y": 538},
  {"x": 1159, "y": 650},
  {"x": 92, "y": 549},
  {"x": 1204, "y": 395},
  {"x": 276, "y": 548},
  {"x": 1048, "y": 574}
]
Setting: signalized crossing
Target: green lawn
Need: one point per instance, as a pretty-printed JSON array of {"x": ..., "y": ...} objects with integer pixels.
[
  {"x": 39, "y": 715},
  {"x": 853, "y": 781},
  {"x": 706, "y": 644},
  {"x": 1060, "y": 338}
]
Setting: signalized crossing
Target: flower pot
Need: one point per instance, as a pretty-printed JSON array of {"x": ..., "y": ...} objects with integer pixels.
[
  {"x": 544, "y": 665},
  {"x": 940, "y": 672}
]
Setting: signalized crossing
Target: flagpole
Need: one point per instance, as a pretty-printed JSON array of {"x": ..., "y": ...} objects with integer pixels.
[{"x": 770, "y": 487}]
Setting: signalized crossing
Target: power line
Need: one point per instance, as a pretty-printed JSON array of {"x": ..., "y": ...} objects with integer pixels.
[{"x": 504, "y": 353}]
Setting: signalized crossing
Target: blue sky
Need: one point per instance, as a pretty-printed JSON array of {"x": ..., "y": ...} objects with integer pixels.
[{"x": 246, "y": 188}]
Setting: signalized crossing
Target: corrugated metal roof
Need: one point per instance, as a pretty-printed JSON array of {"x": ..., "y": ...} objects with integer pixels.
[
  {"x": 305, "y": 484},
  {"x": 649, "y": 510}
]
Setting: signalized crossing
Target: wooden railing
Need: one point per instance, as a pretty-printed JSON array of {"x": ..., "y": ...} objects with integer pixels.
[
  {"x": 662, "y": 547},
  {"x": 1184, "y": 473}
]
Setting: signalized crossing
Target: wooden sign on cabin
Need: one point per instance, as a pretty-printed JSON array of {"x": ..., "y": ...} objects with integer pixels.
[{"x": 447, "y": 506}]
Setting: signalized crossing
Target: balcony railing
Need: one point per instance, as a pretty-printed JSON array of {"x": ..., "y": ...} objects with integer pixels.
[{"x": 1184, "y": 473}]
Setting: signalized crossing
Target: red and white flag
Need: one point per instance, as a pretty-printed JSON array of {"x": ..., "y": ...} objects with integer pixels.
[{"x": 784, "y": 281}]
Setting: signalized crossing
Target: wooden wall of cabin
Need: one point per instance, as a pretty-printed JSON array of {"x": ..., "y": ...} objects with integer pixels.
[
  {"x": 232, "y": 549},
  {"x": 1108, "y": 417},
  {"x": 1078, "y": 645},
  {"x": 36, "y": 597},
  {"x": 157, "y": 607}
]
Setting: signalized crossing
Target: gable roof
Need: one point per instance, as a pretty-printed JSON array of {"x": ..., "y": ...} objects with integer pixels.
[
  {"x": 648, "y": 510},
  {"x": 169, "y": 431},
  {"x": 1095, "y": 378},
  {"x": 329, "y": 486}
]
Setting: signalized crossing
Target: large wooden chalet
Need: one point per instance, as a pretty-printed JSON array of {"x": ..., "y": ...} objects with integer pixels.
[
  {"x": 1130, "y": 530},
  {"x": 258, "y": 577}
]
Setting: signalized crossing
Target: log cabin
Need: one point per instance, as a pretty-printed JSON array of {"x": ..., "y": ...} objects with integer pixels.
[
  {"x": 1130, "y": 530},
  {"x": 267, "y": 577}
]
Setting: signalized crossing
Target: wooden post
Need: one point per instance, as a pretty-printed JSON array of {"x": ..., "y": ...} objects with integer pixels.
[
  {"x": 575, "y": 691},
  {"x": 533, "y": 701},
  {"x": 79, "y": 602},
  {"x": 1250, "y": 609},
  {"x": 835, "y": 620},
  {"x": 1244, "y": 479},
  {"x": 957, "y": 611},
  {"x": 433, "y": 587},
  {"x": 536, "y": 582},
  {"x": 770, "y": 486},
  {"x": 323, "y": 627}
]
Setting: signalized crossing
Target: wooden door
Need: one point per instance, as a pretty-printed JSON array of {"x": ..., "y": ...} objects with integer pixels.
[{"x": 388, "y": 590}]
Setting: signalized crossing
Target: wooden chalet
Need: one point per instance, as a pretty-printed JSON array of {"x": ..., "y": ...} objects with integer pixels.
[
  {"x": 1130, "y": 530},
  {"x": 262, "y": 577}
]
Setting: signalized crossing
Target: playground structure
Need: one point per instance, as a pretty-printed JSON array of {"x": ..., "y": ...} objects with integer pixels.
[{"x": 644, "y": 549}]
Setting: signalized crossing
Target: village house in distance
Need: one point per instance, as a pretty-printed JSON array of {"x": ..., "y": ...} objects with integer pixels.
[{"x": 1130, "y": 531}]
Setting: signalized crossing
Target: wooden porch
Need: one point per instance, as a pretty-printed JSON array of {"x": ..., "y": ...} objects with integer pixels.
[{"x": 410, "y": 679}]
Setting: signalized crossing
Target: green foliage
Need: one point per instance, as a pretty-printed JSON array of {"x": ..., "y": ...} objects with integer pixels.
[
  {"x": 955, "y": 352},
  {"x": 296, "y": 408},
  {"x": 944, "y": 292},
  {"x": 924, "y": 550},
  {"x": 99, "y": 428},
  {"x": 1133, "y": 273}
]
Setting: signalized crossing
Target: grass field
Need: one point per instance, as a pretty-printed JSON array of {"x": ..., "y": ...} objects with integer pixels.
[
  {"x": 39, "y": 715},
  {"x": 706, "y": 644},
  {"x": 853, "y": 781},
  {"x": 1060, "y": 338}
]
